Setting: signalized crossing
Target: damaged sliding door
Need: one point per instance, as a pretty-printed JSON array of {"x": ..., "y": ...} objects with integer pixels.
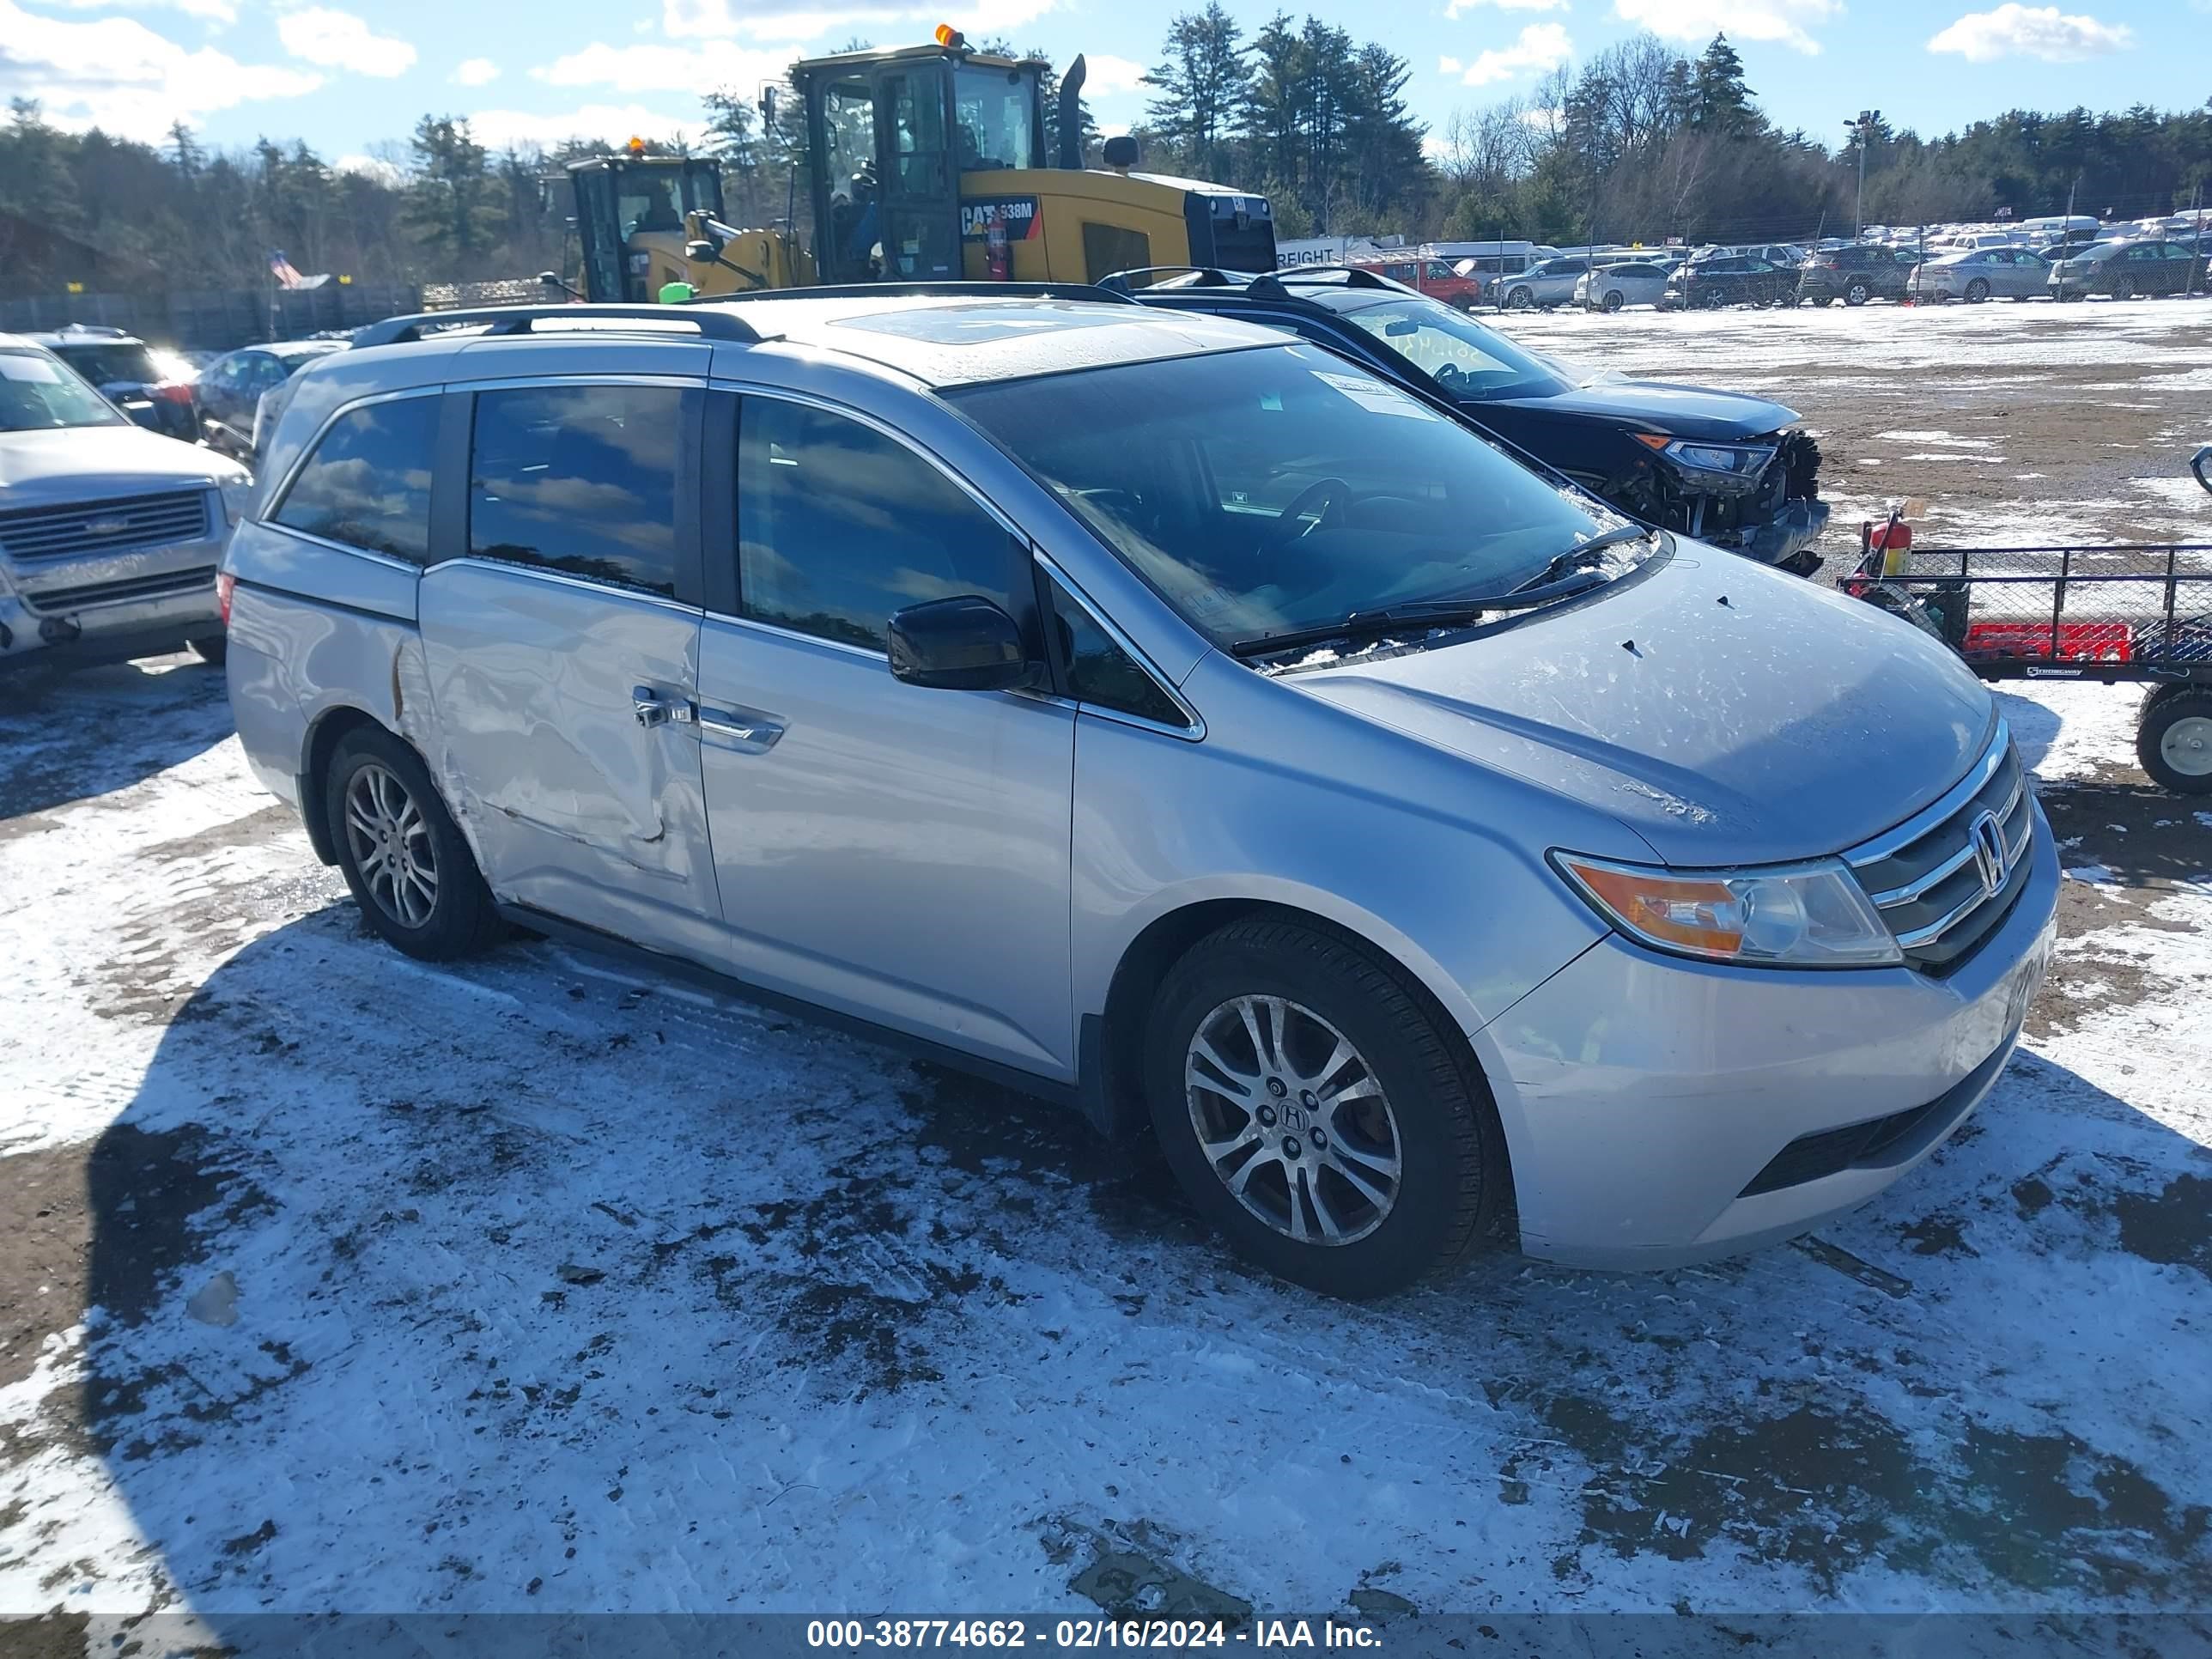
[{"x": 563, "y": 647}]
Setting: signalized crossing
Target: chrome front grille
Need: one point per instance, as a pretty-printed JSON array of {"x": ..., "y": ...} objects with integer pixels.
[
  {"x": 36, "y": 535},
  {"x": 1948, "y": 877}
]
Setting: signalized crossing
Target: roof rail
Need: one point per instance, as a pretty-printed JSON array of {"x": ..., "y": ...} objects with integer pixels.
[
  {"x": 1208, "y": 276},
  {"x": 712, "y": 323},
  {"x": 1354, "y": 275},
  {"x": 946, "y": 289}
]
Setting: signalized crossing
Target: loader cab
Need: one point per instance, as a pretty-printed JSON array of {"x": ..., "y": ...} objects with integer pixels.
[
  {"x": 892, "y": 133},
  {"x": 622, "y": 200}
]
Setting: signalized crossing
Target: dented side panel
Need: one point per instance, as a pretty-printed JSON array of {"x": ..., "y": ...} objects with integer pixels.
[{"x": 575, "y": 803}]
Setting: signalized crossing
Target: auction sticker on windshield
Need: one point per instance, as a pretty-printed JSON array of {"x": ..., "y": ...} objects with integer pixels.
[{"x": 1373, "y": 395}]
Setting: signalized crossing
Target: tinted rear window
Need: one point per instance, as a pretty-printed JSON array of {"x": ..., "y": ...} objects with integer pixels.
[
  {"x": 368, "y": 484},
  {"x": 104, "y": 365}
]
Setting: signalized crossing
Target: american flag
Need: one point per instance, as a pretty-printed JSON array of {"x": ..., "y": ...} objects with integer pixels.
[{"x": 281, "y": 269}]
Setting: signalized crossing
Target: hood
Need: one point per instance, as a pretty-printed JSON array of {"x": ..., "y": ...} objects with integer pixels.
[
  {"x": 1790, "y": 722},
  {"x": 61, "y": 464},
  {"x": 1681, "y": 411}
]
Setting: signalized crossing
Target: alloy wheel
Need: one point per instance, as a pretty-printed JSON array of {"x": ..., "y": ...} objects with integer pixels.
[
  {"x": 1977, "y": 291},
  {"x": 390, "y": 844},
  {"x": 1293, "y": 1121}
]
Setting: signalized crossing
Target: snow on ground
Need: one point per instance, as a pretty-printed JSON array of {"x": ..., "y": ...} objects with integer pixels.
[{"x": 331, "y": 1280}]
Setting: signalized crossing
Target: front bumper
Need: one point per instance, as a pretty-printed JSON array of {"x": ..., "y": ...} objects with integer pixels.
[
  {"x": 1661, "y": 1111},
  {"x": 181, "y": 607},
  {"x": 1796, "y": 527}
]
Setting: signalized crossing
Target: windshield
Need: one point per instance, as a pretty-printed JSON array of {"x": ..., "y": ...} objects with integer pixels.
[
  {"x": 1281, "y": 487},
  {"x": 37, "y": 392},
  {"x": 995, "y": 111},
  {"x": 104, "y": 364},
  {"x": 1461, "y": 355}
]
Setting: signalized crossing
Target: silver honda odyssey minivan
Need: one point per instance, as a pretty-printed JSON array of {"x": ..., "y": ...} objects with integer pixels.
[{"x": 1161, "y": 714}]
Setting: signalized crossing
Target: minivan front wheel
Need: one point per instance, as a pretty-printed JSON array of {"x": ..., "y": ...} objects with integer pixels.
[
  {"x": 400, "y": 852},
  {"x": 1317, "y": 1115}
]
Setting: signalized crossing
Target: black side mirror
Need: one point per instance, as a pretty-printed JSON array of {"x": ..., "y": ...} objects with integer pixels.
[
  {"x": 2199, "y": 462},
  {"x": 966, "y": 644}
]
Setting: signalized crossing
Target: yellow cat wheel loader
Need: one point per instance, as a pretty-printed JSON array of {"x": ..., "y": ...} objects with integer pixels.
[{"x": 926, "y": 163}]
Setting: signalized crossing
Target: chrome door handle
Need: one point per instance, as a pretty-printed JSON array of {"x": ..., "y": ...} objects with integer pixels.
[
  {"x": 653, "y": 708},
  {"x": 747, "y": 727}
]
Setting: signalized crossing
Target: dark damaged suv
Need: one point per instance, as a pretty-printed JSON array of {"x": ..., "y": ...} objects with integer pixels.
[{"x": 1732, "y": 472}]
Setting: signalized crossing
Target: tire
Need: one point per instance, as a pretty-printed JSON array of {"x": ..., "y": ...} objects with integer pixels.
[
  {"x": 1614, "y": 299},
  {"x": 211, "y": 650},
  {"x": 1426, "y": 1106},
  {"x": 1977, "y": 291},
  {"x": 2174, "y": 740},
  {"x": 449, "y": 914},
  {"x": 1520, "y": 299},
  {"x": 2124, "y": 287},
  {"x": 1856, "y": 294}
]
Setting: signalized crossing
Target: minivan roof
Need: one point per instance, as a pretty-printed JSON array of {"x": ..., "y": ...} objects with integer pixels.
[
  {"x": 938, "y": 339},
  {"x": 963, "y": 340}
]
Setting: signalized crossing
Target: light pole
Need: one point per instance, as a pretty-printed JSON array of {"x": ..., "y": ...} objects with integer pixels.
[{"x": 1862, "y": 126}]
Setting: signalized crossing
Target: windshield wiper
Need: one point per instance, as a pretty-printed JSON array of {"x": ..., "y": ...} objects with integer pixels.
[
  {"x": 1562, "y": 579},
  {"x": 1578, "y": 557}
]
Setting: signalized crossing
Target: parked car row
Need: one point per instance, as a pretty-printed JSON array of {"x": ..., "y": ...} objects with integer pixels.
[{"x": 211, "y": 400}]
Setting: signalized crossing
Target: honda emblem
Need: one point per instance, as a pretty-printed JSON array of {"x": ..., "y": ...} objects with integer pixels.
[{"x": 1990, "y": 860}]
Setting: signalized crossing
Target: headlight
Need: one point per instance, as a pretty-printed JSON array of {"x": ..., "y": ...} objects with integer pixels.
[
  {"x": 1737, "y": 460},
  {"x": 237, "y": 498},
  {"x": 1803, "y": 915}
]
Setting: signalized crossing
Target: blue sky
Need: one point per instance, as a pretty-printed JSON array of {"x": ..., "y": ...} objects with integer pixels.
[{"x": 351, "y": 76}]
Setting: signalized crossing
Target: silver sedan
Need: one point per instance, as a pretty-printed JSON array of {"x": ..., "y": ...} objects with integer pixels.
[
  {"x": 1609, "y": 288},
  {"x": 1985, "y": 273}
]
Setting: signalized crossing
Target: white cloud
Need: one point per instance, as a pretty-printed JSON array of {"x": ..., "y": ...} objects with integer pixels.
[
  {"x": 697, "y": 69},
  {"x": 1788, "y": 22},
  {"x": 476, "y": 72},
  {"x": 1108, "y": 77},
  {"x": 338, "y": 40},
  {"x": 369, "y": 167},
  {"x": 1458, "y": 9},
  {"x": 1450, "y": 66},
  {"x": 1539, "y": 47},
  {"x": 607, "y": 124},
  {"x": 117, "y": 75},
  {"x": 891, "y": 22},
  {"x": 2018, "y": 31},
  {"x": 212, "y": 11}
]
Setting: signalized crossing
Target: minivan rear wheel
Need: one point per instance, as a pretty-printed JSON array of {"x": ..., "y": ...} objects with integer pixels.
[
  {"x": 1317, "y": 1112},
  {"x": 408, "y": 865}
]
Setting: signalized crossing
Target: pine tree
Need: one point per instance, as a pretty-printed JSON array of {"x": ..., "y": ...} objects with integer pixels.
[
  {"x": 185, "y": 151},
  {"x": 453, "y": 205},
  {"x": 1719, "y": 101},
  {"x": 1202, "y": 81}
]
